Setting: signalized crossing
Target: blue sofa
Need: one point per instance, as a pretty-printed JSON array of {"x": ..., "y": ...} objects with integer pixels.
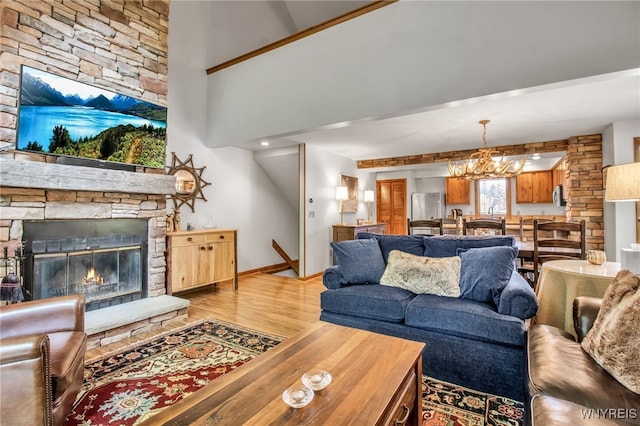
[{"x": 476, "y": 340}]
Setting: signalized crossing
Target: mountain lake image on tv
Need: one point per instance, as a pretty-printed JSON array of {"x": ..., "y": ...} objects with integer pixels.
[{"x": 61, "y": 116}]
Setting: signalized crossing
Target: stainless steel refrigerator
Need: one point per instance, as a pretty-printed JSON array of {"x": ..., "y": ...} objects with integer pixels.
[{"x": 427, "y": 205}]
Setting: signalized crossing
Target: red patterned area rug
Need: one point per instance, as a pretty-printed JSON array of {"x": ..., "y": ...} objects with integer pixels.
[
  {"x": 129, "y": 386},
  {"x": 133, "y": 384},
  {"x": 446, "y": 404}
]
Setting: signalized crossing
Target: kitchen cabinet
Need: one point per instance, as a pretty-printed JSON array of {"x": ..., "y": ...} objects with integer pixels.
[
  {"x": 558, "y": 177},
  {"x": 458, "y": 191},
  {"x": 198, "y": 258},
  {"x": 534, "y": 187}
]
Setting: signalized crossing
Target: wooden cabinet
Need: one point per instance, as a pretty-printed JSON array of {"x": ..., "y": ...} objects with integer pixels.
[
  {"x": 349, "y": 232},
  {"x": 198, "y": 258},
  {"x": 534, "y": 187},
  {"x": 458, "y": 191},
  {"x": 558, "y": 177}
]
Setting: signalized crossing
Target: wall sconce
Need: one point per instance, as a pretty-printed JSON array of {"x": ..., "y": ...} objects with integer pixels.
[
  {"x": 368, "y": 198},
  {"x": 341, "y": 195}
]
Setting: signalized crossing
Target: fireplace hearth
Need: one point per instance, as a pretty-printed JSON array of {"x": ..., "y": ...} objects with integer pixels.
[{"x": 102, "y": 259}]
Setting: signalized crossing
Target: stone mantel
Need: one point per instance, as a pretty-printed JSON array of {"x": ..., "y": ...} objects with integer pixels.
[{"x": 41, "y": 175}]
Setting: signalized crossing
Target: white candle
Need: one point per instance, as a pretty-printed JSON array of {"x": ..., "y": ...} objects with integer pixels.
[
  {"x": 315, "y": 379},
  {"x": 297, "y": 395}
]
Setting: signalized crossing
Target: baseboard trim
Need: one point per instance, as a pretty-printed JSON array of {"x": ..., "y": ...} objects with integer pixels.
[{"x": 269, "y": 269}]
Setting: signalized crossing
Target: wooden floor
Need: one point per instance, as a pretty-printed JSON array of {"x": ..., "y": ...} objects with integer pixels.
[{"x": 272, "y": 304}]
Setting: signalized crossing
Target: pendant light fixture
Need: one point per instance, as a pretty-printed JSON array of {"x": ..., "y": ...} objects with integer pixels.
[{"x": 483, "y": 165}]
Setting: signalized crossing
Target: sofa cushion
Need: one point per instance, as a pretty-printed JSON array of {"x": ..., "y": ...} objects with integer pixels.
[
  {"x": 485, "y": 272},
  {"x": 448, "y": 245},
  {"x": 421, "y": 274},
  {"x": 558, "y": 367},
  {"x": 613, "y": 340},
  {"x": 370, "y": 301},
  {"x": 464, "y": 318},
  {"x": 407, "y": 243},
  {"x": 360, "y": 261}
]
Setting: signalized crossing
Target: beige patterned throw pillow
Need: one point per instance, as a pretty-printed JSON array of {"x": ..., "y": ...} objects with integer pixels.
[
  {"x": 421, "y": 274},
  {"x": 614, "y": 340}
]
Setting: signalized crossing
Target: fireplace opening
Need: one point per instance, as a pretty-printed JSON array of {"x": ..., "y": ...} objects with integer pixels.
[{"x": 100, "y": 259}]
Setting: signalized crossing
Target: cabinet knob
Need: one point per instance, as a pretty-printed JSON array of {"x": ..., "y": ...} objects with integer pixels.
[
  {"x": 210, "y": 247},
  {"x": 203, "y": 248},
  {"x": 221, "y": 237},
  {"x": 189, "y": 239}
]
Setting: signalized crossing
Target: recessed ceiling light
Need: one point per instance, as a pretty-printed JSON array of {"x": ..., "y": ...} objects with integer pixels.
[{"x": 264, "y": 143}]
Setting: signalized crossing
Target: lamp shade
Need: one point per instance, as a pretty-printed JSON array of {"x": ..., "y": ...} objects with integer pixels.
[
  {"x": 368, "y": 195},
  {"x": 342, "y": 193},
  {"x": 622, "y": 182}
]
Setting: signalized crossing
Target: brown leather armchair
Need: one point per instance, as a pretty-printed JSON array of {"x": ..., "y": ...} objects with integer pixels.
[
  {"x": 565, "y": 385},
  {"x": 42, "y": 347}
]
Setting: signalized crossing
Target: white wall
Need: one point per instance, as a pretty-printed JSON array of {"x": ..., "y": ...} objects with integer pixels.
[
  {"x": 619, "y": 217},
  {"x": 240, "y": 195},
  {"x": 323, "y": 170},
  {"x": 415, "y": 54}
]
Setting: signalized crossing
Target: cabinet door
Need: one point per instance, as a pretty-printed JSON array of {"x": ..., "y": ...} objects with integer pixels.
[
  {"x": 534, "y": 187},
  {"x": 458, "y": 191},
  {"x": 524, "y": 188},
  {"x": 205, "y": 263},
  {"x": 558, "y": 177},
  {"x": 224, "y": 267},
  {"x": 542, "y": 187},
  {"x": 182, "y": 267}
]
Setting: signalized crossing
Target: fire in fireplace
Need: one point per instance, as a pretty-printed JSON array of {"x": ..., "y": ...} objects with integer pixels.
[{"x": 101, "y": 259}]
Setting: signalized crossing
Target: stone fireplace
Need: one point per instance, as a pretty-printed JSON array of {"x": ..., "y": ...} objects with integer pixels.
[{"x": 37, "y": 197}]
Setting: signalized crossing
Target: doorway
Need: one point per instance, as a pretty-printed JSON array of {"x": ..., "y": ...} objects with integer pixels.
[{"x": 392, "y": 205}]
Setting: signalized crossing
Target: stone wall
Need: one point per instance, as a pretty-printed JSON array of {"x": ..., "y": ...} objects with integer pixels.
[
  {"x": 120, "y": 45},
  {"x": 584, "y": 184}
]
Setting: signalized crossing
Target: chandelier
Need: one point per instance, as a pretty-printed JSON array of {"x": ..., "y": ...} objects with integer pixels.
[{"x": 482, "y": 165}]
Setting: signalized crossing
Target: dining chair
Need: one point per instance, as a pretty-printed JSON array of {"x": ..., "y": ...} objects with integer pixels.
[
  {"x": 452, "y": 227},
  {"x": 419, "y": 225},
  {"x": 553, "y": 240},
  {"x": 480, "y": 226},
  {"x": 526, "y": 227}
]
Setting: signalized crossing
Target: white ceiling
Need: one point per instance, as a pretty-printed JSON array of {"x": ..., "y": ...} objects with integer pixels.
[
  {"x": 545, "y": 113},
  {"x": 536, "y": 114}
]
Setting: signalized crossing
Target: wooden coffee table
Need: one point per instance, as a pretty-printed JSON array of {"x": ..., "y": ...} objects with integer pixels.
[{"x": 376, "y": 380}]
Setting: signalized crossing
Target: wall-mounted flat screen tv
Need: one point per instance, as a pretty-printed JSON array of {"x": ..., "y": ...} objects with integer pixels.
[{"x": 87, "y": 125}]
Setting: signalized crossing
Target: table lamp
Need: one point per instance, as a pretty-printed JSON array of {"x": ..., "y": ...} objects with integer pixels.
[
  {"x": 341, "y": 195},
  {"x": 368, "y": 198},
  {"x": 622, "y": 183}
]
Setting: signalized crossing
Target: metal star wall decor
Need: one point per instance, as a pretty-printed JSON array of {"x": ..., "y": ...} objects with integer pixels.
[{"x": 189, "y": 182}]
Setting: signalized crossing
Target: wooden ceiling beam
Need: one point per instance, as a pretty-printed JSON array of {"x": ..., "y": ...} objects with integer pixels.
[
  {"x": 302, "y": 34},
  {"x": 442, "y": 157}
]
